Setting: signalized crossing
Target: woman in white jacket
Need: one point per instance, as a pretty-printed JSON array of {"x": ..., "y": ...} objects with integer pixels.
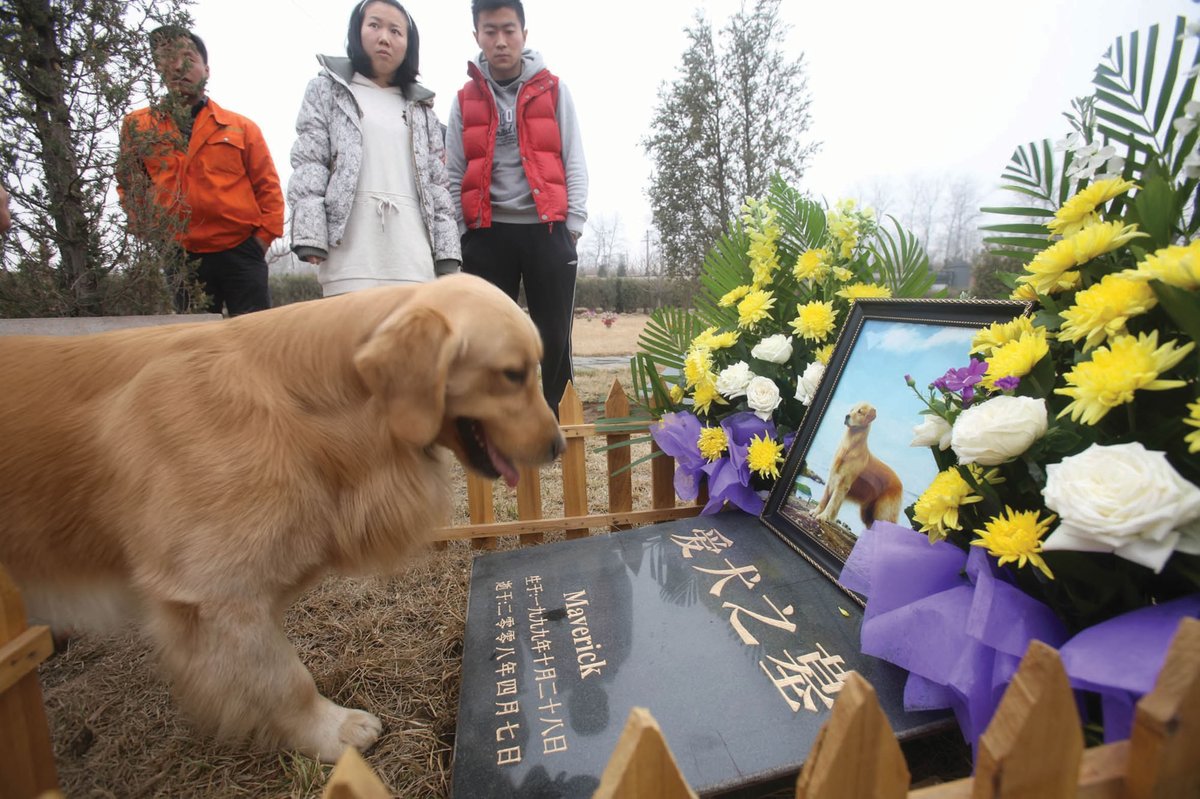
[{"x": 369, "y": 195}]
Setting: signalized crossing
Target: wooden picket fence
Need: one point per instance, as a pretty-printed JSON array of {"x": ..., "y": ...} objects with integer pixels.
[
  {"x": 531, "y": 526},
  {"x": 1032, "y": 749},
  {"x": 26, "y": 757}
]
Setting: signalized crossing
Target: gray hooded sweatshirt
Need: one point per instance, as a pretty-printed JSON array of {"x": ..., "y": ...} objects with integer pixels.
[
  {"x": 512, "y": 199},
  {"x": 327, "y": 156}
]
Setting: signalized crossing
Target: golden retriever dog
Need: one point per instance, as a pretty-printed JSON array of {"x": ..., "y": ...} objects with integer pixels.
[
  {"x": 859, "y": 476},
  {"x": 206, "y": 474}
]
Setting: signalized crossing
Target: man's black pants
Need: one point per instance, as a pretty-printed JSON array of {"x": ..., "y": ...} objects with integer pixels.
[
  {"x": 235, "y": 279},
  {"x": 544, "y": 258}
]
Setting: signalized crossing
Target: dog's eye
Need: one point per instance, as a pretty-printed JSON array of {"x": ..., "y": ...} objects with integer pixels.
[{"x": 516, "y": 375}]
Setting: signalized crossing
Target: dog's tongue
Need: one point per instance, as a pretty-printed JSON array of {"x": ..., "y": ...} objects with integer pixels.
[{"x": 503, "y": 465}]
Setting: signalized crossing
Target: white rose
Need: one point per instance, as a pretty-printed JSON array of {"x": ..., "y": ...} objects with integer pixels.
[
  {"x": 773, "y": 349},
  {"x": 762, "y": 395},
  {"x": 933, "y": 432},
  {"x": 809, "y": 382},
  {"x": 733, "y": 380},
  {"x": 998, "y": 430},
  {"x": 1123, "y": 499}
]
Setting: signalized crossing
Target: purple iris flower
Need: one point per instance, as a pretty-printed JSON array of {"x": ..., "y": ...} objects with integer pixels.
[
  {"x": 1008, "y": 383},
  {"x": 963, "y": 381}
]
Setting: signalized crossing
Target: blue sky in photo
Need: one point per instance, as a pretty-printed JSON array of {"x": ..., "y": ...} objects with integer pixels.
[{"x": 885, "y": 352}]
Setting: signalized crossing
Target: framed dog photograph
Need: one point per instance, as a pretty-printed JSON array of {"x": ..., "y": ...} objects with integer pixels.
[{"x": 852, "y": 462}]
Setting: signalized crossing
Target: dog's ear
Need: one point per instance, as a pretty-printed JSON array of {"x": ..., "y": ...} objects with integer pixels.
[{"x": 405, "y": 363}]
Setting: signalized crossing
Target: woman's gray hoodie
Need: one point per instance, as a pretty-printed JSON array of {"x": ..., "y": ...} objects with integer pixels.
[{"x": 327, "y": 156}]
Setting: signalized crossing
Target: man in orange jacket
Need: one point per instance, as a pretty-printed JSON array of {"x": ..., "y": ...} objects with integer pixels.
[{"x": 211, "y": 171}]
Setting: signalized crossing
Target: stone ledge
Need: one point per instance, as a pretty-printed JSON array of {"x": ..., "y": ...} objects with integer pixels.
[{"x": 82, "y": 325}]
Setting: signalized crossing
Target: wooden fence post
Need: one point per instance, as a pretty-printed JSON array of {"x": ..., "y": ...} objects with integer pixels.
[
  {"x": 574, "y": 467},
  {"x": 1033, "y": 745},
  {"x": 1164, "y": 757},
  {"x": 27, "y": 759},
  {"x": 529, "y": 501},
  {"x": 620, "y": 486},
  {"x": 352, "y": 778},
  {"x": 642, "y": 766},
  {"x": 481, "y": 504},
  {"x": 856, "y": 753}
]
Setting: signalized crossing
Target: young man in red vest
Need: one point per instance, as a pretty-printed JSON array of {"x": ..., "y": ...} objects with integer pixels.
[{"x": 518, "y": 176}]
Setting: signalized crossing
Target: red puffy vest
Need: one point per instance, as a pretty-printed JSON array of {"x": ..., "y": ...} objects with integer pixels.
[{"x": 538, "y": 137}]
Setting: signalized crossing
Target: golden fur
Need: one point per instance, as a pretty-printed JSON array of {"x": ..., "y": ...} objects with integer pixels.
[
  {"x": 859, "y": 476},
  {"x": 206, "y": 474}
]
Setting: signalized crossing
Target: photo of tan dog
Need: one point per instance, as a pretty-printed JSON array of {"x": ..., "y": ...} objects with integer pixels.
[
  {"x": 859, "y": 476},
  {"x": 199, "y": 477}
]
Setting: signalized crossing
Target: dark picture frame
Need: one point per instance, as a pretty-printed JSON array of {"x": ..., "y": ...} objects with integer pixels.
[{"x": 882, "y": 341}]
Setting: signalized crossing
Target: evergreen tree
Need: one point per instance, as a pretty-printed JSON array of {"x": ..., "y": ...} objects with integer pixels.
[
  {"x": 69, "y": 71},
  {"x": 734, "y": 116}
]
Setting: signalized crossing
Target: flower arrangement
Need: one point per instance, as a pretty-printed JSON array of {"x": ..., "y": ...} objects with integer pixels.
[
  {"x": 730, "y": 380},
  {"x": 1067, "y": 508},
  {"x": 609, "y": 319}
]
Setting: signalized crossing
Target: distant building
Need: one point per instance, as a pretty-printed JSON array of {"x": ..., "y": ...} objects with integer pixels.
[{"x": 955, "y": 275}]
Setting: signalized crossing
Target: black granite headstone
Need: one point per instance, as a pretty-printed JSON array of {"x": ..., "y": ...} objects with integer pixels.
[{"x": 735, "y": 644}]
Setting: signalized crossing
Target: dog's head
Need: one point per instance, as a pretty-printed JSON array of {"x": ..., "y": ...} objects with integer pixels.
[
  {"x": 457, "y": 365},
  {"x": 861, "y": 415}
]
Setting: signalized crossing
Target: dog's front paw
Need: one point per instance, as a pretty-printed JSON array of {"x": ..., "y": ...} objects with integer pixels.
[
  {"x": 334, "y": 728},
  {"x": 359, "y": 729}
]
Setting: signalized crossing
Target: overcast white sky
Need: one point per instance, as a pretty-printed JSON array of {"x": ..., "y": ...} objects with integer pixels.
[{"x": 899, "y": 88}]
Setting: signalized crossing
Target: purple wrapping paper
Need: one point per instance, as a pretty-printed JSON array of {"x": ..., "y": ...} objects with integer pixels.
[
  {"x": 960, "y": 629},
  {"x": 1120, "y": 658},
  {"x": 945, "y": 616},
  {"x": 677, "y": 435}
]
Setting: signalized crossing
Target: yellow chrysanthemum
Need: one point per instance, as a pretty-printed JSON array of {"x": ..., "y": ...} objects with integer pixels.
[
  {"x": 997, "y": 335},
  {"x": 814, "y": 321},
  {"x": 712, "y": 443},
  {"x": 1193, "y": 439},
  {"x": 755, "y": 307},
  {"x": 1016, "y": 536},
  {"x": 1101, "y": 312},
  {"x": 706, "y": 394},
  {"x": 1024, "y": 292},
  {"x": 677, "y": 394},
  {"x": 710, "y": 339},
  {"x": 1115, "y": 372},
  {"x": 937, "y": 509},
  {"x": 859, "y": 291},
  {"x": 1178, "y": 266},
  {"x": 764, "y": 455},
  {"x": 812, "y": 265},
  {"x": 1096, "y": 240},
  {"x": 1080, "y": 211},
  {"x": 824, "y": 354},
  {"x": 697, "y": 366},
  {"x": 1054, "y": 269},
  {"x": 1016, "y": 358},
  {"x": 732, "y": 298}
]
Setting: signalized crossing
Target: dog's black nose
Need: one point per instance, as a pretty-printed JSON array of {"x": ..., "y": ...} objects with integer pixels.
[{"x": 558, "y": 446}]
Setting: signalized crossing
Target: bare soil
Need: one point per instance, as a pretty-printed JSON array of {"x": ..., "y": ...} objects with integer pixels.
[{"x": 593, "y": 338}]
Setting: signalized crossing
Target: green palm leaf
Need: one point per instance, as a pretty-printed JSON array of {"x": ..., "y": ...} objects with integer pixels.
[{"x": 900, "y": 263}]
